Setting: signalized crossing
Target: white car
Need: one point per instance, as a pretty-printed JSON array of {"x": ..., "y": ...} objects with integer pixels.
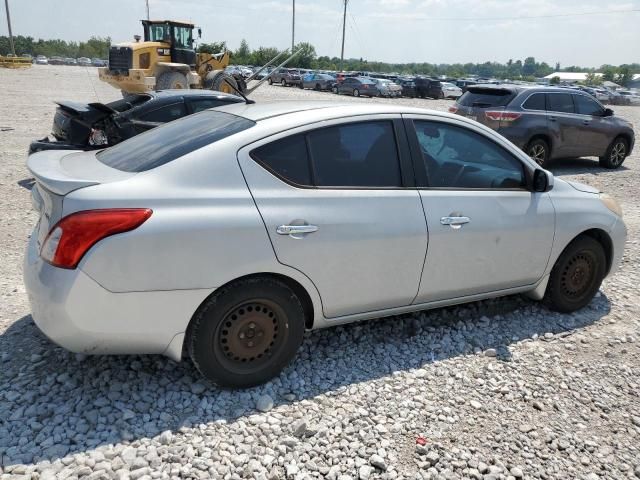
[
  {"x": 450, "y": 90},
  {"x": 632, "y": 97},
  {"x": 229, "y": 232}
]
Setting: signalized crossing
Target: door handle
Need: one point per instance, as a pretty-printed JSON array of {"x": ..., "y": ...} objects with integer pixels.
[
  {"x": 553, "y": 119},
  {"x": 296, "y": 229},
  {"x": 454, "y": 222},
  {"x": 586, "y": 122}
]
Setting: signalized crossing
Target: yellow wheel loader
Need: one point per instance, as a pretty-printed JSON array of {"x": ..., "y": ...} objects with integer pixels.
[{"x": 167, "y": 59}]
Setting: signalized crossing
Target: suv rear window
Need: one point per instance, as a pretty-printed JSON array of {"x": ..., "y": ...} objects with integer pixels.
[
  {"x": 172, "y": 140},
  {"x": 486, "y": 97}
]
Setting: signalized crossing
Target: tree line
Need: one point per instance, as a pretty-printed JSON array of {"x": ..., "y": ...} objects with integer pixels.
[
  {"x": 527, "y": 69},
  {"x": 95, "y": 47}
]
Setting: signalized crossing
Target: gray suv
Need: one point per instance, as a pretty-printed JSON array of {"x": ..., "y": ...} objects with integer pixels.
[{"x": 549, "y": 123}]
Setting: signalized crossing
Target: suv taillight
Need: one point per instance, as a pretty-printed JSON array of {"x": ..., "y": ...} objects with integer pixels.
[
  {"x": 502, "y": 116},
  {"x": 453, "y": 109},
  {"x": 75, "y": 234}
]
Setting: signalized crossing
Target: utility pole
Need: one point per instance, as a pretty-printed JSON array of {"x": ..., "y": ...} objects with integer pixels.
[
  {"x": 293, "y": 26},
  {"x": 148, "y": 10},
  {"x": 344, "y": 24},
  {"x": 13, "y": 47}
]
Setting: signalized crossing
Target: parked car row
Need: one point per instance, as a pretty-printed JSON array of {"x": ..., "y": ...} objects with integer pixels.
[{"x": 81, "y": 61}]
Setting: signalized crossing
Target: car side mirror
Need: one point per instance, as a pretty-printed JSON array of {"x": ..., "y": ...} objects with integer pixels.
[
  {"x": 542, "y": 180},
  {"x": 607, "y": 112}
]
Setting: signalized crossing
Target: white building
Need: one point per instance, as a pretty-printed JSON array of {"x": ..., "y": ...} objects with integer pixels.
[{"x": 570, "y": 76}]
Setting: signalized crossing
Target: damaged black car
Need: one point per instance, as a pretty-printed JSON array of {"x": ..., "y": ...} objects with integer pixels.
[{"x": 90, "y": 126}]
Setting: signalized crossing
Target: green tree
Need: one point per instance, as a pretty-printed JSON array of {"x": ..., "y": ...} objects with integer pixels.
[
  {"x": 624, "y": 75},
  {"x": 529, "y": 67},
  {"x": 592, "y": 79},
  {"x": 215, "y": 47},
  {"x": 241, "y": 55},
  {"x": 306, "y": 57},
  {"x": 608, "y": 73},
  {"x": 554, "y": 80}
]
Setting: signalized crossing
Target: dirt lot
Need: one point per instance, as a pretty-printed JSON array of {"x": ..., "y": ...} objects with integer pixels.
[{"x": 497, "y": 389}]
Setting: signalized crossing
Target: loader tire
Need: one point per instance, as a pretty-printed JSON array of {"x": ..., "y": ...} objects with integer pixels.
[
  {"x": 171, "y": 80},
  {"x": 216, "y": 81}
]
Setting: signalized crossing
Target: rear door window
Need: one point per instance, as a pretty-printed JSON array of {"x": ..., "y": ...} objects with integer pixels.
[
  {"x": 287, "y": 159},
  {"x": 560, "y": 102},
  {"x": 168, "y": 142},
  {"x": 165, "y": 114},
  {"x": 360, "y": 154},
  {"x": 586, "y": 106},
  {"x": 535, "y": 102},
  {"x": 486, "y": 97}
]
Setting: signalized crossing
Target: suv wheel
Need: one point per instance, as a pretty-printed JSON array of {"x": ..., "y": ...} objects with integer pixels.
[
  {"x": 356, "y": 92},
  {"x": 538, "y": 150},
  {"x": 615, "y": 154},
  {"x": 576, "y": 276},
  {"x": 284, "y": 82},
  {"x": 247, "y": 332},
  {"x": 270, "y": 81}
]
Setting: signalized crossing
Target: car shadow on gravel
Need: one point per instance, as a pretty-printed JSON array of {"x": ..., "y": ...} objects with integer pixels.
[
  {"x": 54, "y": 403},
  {"x": 577, "y": 166}
]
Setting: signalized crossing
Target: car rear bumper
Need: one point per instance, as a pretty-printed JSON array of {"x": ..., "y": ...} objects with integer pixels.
[{"x": 78, "y": 314}]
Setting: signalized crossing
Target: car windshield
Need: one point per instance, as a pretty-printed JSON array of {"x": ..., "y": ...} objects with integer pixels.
[
  {"x": 159, "y": 32},
  {"x": 173, "y": 140}
]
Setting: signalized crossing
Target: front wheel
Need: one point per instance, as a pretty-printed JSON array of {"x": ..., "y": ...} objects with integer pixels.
[
  {"x": 171, "y": 80},
  {"x": 284, "y": 83},
  {"x": 615, "y": 154},
  {"x": 335, "y": 90},
  {"x": 576, "y": 276},
  {"x": 356, "y": 92},
  {"x": 538, "y": 150},
  {"x": 247, "y": 332}
]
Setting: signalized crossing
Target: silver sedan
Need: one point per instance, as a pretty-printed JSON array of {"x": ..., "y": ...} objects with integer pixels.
[{"x": 230, "y": 232}]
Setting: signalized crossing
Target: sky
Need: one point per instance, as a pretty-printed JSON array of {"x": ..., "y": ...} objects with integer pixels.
[{"x": 434, "y": 31}]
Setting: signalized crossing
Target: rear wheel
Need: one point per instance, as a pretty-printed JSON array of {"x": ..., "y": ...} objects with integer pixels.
[
  {"x": 576, "y": 276},
  {"x": 615, "y": 154},
  {"x": 284, "y": 82},
  {"x": 171, "y": 80},
  {"x": 247, "y": 332},
  {"x": 335, "y": 90},
  {"x": 539, "y": 151},
  {"x": 269, "y": 81},
  {"x": 317, "y": 87},
  {"x": 356, "y": 92}
]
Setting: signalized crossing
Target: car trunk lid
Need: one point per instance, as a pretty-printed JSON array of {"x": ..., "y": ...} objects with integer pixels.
[{"x": 58, "y": 173}]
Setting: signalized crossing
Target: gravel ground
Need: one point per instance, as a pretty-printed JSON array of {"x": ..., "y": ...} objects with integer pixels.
[{"x": 500, "y": 389}]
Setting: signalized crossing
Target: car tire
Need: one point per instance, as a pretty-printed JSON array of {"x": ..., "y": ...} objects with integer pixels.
[
  {"x": 221, "y": 335},
  {"x": 576, "y": 275},
  {"x": 335, "y": 90},
  {"x": 441, "y": 96},
  {"x": 615, "y": 154},
  {"x": 171, "y": 80},
  {"x": 539, "y": 151},
  {"x": 317, "y": 87},
  {"x": 284, "y": 83},
  {"x": 270, "y": 81},
  {"x": 356, "y": 92}
]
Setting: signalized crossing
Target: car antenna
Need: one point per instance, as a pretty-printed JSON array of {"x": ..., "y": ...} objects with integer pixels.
[{"x": 237, "y": 90}]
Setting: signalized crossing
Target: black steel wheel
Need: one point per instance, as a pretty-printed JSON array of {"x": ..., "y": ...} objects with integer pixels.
[
  {"x": 615, "y": 154},
  {"x": 539, "y": 151},
  {"x": 246, "y": 333},
  {"x": 576, "y": 275}
]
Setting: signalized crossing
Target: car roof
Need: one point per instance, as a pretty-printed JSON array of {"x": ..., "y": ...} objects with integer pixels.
[
  {"x": 321, "y": 109},
  {"x": 188, "y": 93}
]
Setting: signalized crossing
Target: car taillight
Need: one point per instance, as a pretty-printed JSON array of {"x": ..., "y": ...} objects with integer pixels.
[
  {"x": 502, "y": 116},
  {"x": 365, "y": 86},
  {"x": 453, "y": 109},
  {"x": 75, "y": 234}
]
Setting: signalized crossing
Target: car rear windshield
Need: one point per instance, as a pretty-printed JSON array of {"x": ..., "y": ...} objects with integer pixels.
[
  {"x": 166, "y": 143},
  {"x": 486, "y": 97}
]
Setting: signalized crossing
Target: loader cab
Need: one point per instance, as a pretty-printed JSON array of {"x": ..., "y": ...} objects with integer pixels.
[{"x": 178, "y": 35}]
